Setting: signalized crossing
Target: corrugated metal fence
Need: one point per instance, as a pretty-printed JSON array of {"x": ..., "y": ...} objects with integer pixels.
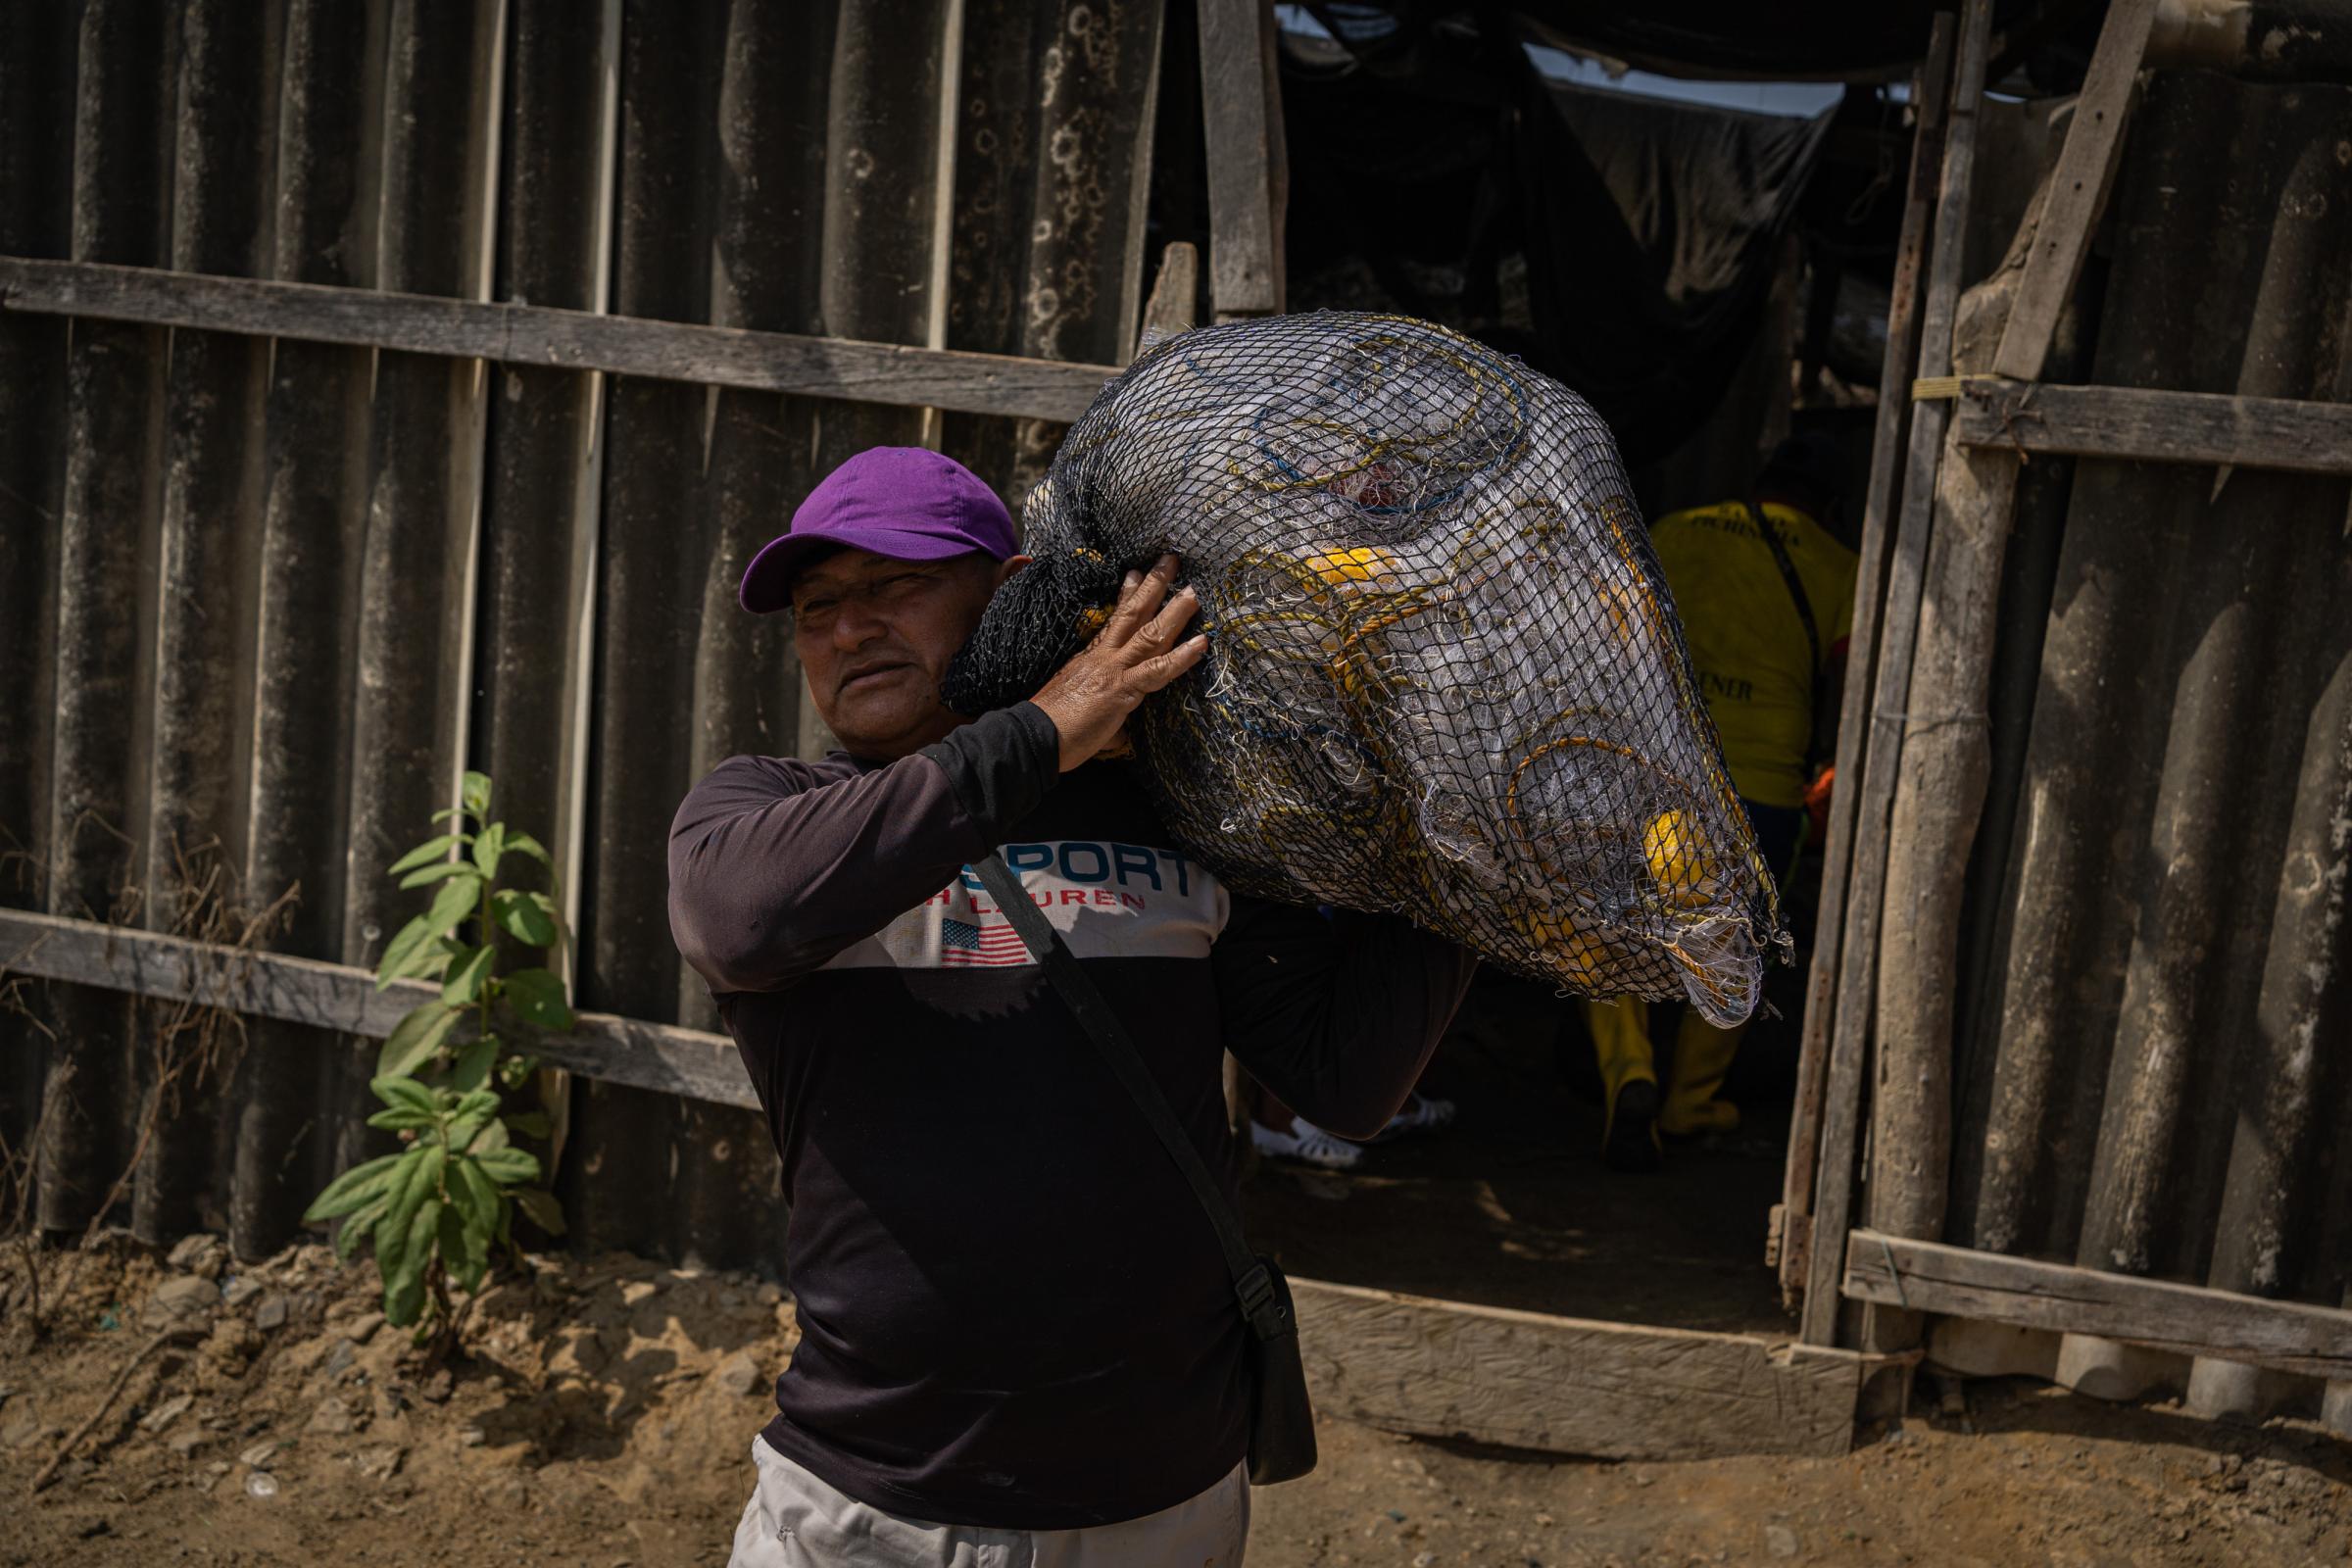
[
  {"x": 263, "y": 601},
  {"x": 2153, "y": 1074},
  {"x": 2089, "y": 995}
]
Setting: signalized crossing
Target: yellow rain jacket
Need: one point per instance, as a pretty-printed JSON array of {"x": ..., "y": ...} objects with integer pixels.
[{"x": 1747, "y": 643}]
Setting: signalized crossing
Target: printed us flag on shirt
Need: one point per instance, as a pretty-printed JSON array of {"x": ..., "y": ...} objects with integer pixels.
[{"x": 996, "y": 946}]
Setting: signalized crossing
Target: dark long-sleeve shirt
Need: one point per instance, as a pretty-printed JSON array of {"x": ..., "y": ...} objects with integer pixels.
[{"x": 1013, "y": 1312}]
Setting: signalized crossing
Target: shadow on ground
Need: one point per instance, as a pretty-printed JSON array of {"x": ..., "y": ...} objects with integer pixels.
[{"x": 1512, "y": 1208}]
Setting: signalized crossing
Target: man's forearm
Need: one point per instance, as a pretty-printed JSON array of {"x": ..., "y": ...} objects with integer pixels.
[{"x": 771, "y": 873}]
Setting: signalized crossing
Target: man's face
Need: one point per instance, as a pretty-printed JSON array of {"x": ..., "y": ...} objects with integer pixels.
[{"x": 876, "y": 636}]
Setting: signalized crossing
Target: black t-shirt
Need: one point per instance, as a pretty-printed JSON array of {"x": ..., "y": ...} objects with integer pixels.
[{"x": 1013, "y": 1313}]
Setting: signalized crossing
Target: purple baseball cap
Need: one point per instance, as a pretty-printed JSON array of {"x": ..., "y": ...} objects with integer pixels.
[{"x": 906, "y": 503}]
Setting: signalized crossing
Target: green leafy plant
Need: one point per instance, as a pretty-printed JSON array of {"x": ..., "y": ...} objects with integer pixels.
[{"x": 435, "y": 1210}]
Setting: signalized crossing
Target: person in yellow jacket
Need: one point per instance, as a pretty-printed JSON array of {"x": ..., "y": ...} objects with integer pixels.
[{"x": 1766, "y": 595}]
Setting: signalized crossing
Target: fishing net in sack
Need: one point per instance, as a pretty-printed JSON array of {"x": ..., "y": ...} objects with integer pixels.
[{"x": 1443, "y": 681}]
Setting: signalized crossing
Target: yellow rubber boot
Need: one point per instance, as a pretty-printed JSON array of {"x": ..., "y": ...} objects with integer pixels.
[
  {"x": 1629, "y": 1082},
  {"x": 1703, "y": 1056}
]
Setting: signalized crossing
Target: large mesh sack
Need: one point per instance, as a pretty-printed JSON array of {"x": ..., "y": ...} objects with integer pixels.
[{"x": 1444, "y": 678}]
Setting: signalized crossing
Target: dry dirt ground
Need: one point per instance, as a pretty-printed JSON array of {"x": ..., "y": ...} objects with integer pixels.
[{"x": 604, "y": 1414}]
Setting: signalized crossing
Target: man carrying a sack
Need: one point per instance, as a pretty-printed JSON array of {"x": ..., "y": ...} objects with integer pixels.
[{"x": 1030, "y": 1333}]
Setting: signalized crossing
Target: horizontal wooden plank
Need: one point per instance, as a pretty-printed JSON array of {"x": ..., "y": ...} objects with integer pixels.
[
  {"x": 1527, "y": 1380},
  {"x": 334, "y": 995},
  {"x": 2152, "y": 427},
  {"x": 575, "y": 340},
  {"x": 1957, "y": 1282}
]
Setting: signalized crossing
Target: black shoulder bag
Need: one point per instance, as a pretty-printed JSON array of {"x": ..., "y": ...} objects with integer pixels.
[{"x": 1282, "y": 1422}]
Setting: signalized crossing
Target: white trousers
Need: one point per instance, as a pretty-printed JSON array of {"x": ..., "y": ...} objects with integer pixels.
[{"x": 795, "y": 1520}]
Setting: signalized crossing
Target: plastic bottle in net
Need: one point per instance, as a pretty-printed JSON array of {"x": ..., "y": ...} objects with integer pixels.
[{"x": 1444, "y": 678}]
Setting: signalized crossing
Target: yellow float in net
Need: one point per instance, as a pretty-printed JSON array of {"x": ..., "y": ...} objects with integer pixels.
[{"x": 1446, "y": 679}]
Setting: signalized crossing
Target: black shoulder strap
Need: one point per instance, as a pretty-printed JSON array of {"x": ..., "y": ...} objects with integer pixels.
[
  {"x": 1251, "y": 1282},
  {"x": 1796, "y": 587}
]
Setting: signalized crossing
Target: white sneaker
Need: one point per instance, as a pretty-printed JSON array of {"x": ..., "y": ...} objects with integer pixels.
[
  {"x": 1421, "y": 1113},
  {"x": 1306, "y": 1143}
]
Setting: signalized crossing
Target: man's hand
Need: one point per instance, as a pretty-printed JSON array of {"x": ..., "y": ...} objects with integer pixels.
[{"x": 1132, "y": 657}]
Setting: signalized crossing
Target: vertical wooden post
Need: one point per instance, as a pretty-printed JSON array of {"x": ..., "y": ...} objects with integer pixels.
[
  {"x": 1931, "y": 93},
  {"x": 1249, "y": 178},
  {"x": 1875, "y": 787},
  {"x": 1944, "y": 760},
  {"x": 2335, "y": 1399},
  {"x": 1169, "y": 309},
  {"x": 943, "y": 213}
]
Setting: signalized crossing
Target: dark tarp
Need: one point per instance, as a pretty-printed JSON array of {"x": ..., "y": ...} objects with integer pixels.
[
  {"x": 1826, "y": 40},
  {"x": 1650, "y": 229}
]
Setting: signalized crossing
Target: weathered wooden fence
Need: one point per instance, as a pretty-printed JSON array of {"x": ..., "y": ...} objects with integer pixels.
[
  {"x": 2072, "y": 1059},
  {"x": 393, "y": 388}
]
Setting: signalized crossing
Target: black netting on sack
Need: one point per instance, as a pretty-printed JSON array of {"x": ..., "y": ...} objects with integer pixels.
[{"x": 1444, "y": 678}]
